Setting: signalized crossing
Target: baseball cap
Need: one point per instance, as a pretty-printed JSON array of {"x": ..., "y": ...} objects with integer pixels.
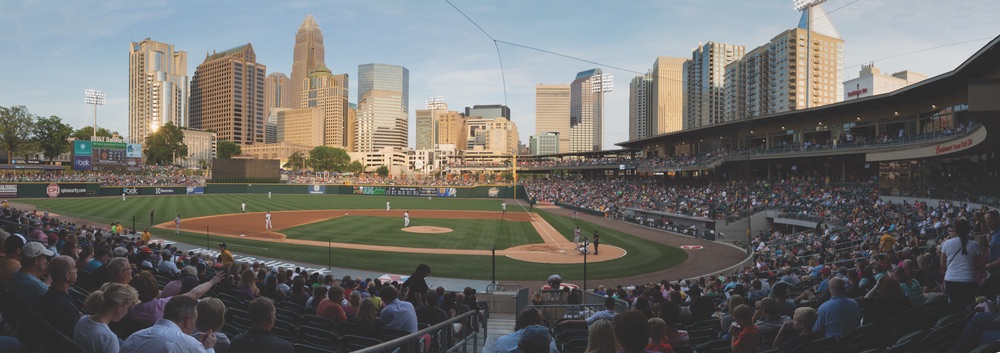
[
  {"x": 34, "y": 249},
  {"x": 15, "y": 241},
  {"x": 222, "y": 245},
  {"x": 536, "y": 336}
]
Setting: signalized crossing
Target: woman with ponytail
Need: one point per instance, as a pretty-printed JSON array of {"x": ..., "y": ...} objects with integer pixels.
[
  {"x": 108, "y": 304},
  {"x": 960, "y": 258}
]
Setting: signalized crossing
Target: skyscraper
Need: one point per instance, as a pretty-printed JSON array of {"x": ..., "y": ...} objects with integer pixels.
[
  {"x": 491, "y": 111},
  {"x": 667, "y": 96},
  {"x": 308, "y": 56},
  {"x": 704, "y": 86},
  {"x": 639, "y": 106},
  {"x": 227, "y": 95},
  {"x": 426, "y": 124},
  {"x": 586, "y": 111},
  {"x": 157, "y": 88},
  {"x": 552, "y": 112},
  {"x": 383, "y": 107},
  {"x": 276, "y": 94},
  {"x": 328, "y": 92}
]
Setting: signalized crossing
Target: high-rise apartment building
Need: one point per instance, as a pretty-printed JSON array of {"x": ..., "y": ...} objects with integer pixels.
[
  {"x": 704, "y": 84},
  {"x": 328, "y": 92},
  {"x": 276, "y": 92},
  {"x": 798, "y": 69},
  {"x": 552, "y": 112},
  {"x": 352, "y": 126},
  {"x": 451, "y": 130},
  {"x": 491, "y": 111},
  {"x": 667, "y": 96},
  {"x": 308, "y": 55},
  {"x": 639, "y": 100},
  {"x": 426, "y": 122},
  {"x": 544, "y": 144},
  {"x": 383, "y": 107},
  {"x": 157, "y": 88},
  {"x": 227, "y": 96},
  {"x": 303, "y": 126},
  {"x": 586, "y": 111}
]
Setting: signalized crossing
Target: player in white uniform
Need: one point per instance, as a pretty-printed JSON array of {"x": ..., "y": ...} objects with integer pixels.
[
  {"x": 503, "y": 206},
  {"x": 267, "y": 221},
  {"x": 268, "y": 194},
  {"x": 406, "y": 219},
  {"x": 387, "y": 205},
  {"x": 243, "y": 207}
]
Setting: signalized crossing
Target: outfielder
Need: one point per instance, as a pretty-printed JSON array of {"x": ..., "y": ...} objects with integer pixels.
[
  {"x": 267, "y": 221},
  {"x": 406, "y": 219}
]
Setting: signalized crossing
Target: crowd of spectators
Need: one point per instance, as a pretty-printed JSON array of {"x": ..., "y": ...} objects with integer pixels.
[
  {"x": 150, "y": 176},
  {"x": 112, "y": 290}
]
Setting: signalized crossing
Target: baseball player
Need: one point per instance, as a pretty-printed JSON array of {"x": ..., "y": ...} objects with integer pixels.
[
  {"x": 387, "y": 205},
  {"x": 406, "y": 219},
  {"x": 576, "y": 235},
  {"x": 177, "y": 225},
  {"x": 503, "y": 206},
  {"x": 267, "y": 221},
  {"x": 243, "y": 207}
]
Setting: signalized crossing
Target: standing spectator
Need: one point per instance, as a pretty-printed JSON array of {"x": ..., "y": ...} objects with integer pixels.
[
  {"x": 840, "y": 314},
  {"x": 260, "y": 339},
  {"x": 109, "y": 304},
  {"x": 211, "y": 318},
  {"x": 27, "y": 286},
  {"x": 172, "y": 333},
  {"x": 226, "y": 256},
  {"x": 416, "y": 286},
  {"x": 744, "y": 333},
  {"x": 960, "y": 258},
  {"x": 597, "y": 241},
  {"x": 56, "y": 305},
  {"x": 397, "y": 314}
]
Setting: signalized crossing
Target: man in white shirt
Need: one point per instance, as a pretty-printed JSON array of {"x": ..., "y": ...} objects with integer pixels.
[
  {"x": 267, "y": 221},
  {"x": 243, "y": 207},
  {"x": 167, "y": 265},
  {"x": 171, "y": 334}
]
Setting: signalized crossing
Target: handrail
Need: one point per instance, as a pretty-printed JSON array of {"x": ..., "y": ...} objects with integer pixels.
[{"x": 410, "y": 343}]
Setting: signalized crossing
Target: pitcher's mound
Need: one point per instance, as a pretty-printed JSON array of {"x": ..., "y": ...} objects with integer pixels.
[{"x": 427, "y": 229}]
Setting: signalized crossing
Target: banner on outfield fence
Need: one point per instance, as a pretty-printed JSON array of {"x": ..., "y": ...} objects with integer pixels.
[
  {"x": 405, "y": 191},
  {"x": 195, "y": 190},
  {"x": 8, "y": 191},
  {"x": 317, "y": 189},
  {"x": 67, "y": 190}
]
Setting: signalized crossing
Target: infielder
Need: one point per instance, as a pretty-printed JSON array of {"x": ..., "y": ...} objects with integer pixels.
[
  {"x": 268, "y": 194},
  {"x": 243, "y": 207},
  {"x": 503, "y": 206},
  {"x": 387, "y": 205},
  {"x": 123, "y": 196},
  {"x": 267, "y": 221},
  {"x": 177, "y": 225},
  {"x": 576, "y": 235},
  {"x": 406, "y": 219}
]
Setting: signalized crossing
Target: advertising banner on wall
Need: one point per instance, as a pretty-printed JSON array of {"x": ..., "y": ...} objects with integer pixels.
[
  {"x": 67, "y": 190},
  {"x": 317, "y": 189},
  {"x": 133, "y": 150},
  {"x": 82, "y": 163},
  {"x": 405, "y": 191},
  {"x": 195, "y": 190},
  {"x": 8, "y": 191},
  {"x": 81, "y": 148}
]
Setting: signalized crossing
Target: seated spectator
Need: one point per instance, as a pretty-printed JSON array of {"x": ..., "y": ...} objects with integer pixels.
[
  {"x": 248, "y": 284},
  {"x": 910, "y": 286},
  {"x": 352, "y": 310},
  {"x": 631, "y": 331},
  {"x": 669, "y": 313},
  {"x": 797, "y": 331},
  {"x": 658, "y": 341},
  {"x": 211, "y": 318},
  {"x": 884, "y": 300},
  {"x": 299, "y": 293},
  {"x": 25, "y": 284},
  {"x": 260, "y": 339},
  {"x": 535, "y": 339},
  {"x": 839, "y": 315},
  {"x": 726, "y": 319},
  {"x": 319, "y": 294},
  {"x": 744, "y": 333},
  {"x": 173, "y": 288},
  {"x": 12, "y": 257},
  {"x": 109, "y": 304},
  {"x": 430, "y": 313},
  {"x": 607, "y": 313},
  {"x": 779, "y": 292},
  {"x": 397, "y": 314},
  {"x": 167, "y": 265},
  {"x": 172, "y": 332},
  {"x": 768, "y": 320},
  {"x": 151, "y": 308},
  {"x": 56, "y": 305},
  {"x": 367, "y": 319},
  {"x": 528, "y": 317},
  {"x": 331, "y": 308}
]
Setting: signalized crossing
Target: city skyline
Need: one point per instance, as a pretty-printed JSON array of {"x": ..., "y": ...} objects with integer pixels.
[{"x": 445, "y": 53}]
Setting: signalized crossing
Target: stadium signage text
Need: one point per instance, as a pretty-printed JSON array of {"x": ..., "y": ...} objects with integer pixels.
[
  {"x": 957, "y": 146},
  {"x": 8, "y": 190},
  {"x": 160, "y": 191},
  {"x": 857, "y": 92},
  {"x": 107, "y": 139},
  {"x": 131, "y": 191}
]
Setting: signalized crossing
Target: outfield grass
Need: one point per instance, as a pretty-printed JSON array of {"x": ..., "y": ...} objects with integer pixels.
[
  {"x": 643, "y": 256},
  {"x": 475, "y": 234}
]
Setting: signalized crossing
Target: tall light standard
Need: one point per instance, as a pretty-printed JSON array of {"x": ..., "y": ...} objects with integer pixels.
[
  {"x": 807, "y": 5},
  {"x": 95, "y": 98}
]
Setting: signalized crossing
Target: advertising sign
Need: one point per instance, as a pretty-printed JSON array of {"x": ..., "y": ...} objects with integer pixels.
[
  {"x": 81, "y": 148},
  {"x": 66, "y": 190},
  {"x": 8, "y": 191},
  {"x": 133, "y": 150},
  {"x": 82, "y": 163},
  {"x": 405, "y": 191},
  {"x": 195, "y": 190},
  {"x": 317, "y": 189},
  {"x": 164, "y": 191}
]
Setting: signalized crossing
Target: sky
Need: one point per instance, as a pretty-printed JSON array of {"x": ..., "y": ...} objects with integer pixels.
[{"x": 53, "y": 50}]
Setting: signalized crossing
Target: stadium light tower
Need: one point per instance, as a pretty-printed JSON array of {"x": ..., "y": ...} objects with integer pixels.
[
  {"x": 95, "y": 98},
  {"x": 807, "y": 5}
]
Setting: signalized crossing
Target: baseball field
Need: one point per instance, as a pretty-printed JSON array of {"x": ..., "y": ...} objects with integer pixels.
[{"x": 454, "y": 236}]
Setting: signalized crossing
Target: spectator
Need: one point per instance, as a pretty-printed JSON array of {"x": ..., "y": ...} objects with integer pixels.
[
  {"x": 431, "y": 313},
  {"x": 768, "y": 320},
  {"x": 528, "y": 317},
  {"x": 727, "y": 319},
  {"x": 960, "y": 258},
  {"x": 248, "y": 284},
  {"x": 839, "y": 315},
  {"x": 260, "y": 339},
  {"x": 744, "y": 333},
  {"x": 173, "y": 288},
  {"x": 911, "y": 287},
  {"x": 331, "y": 307},
  {"x": 416, "y": 286},
  {"x": 172, "y": 333},
  {"x": 151, "y": 308},
  {"x": 397, "y": 314},
  {"x": 299, "y": 294},
  {"x": 798, "y": 331},
  {"x": 669, "y": 313},
  {"x": 109, "y": 304},
  {"x": 608, "y": 313},
  {"x": 631, "y": 331},
  {"x": 658, "y": 341},
  {"x": 56, "y": 305},
  {"x": 211, "y": 318},
  {"x": 11, "y": 262},
  {"x": 884, "y": 300},
  {"x": 319, "y": 294},
  {"x": 26, "y": 285},
  {"x": 535, "y": 339},
  {"x": 367, "y": 319},
  {"x": 101, "y": 256},
  {"x": 167, "y": 265},
  {"x": 118, "y": 270}
]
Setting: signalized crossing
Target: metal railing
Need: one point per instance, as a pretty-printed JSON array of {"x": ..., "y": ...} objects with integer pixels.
[{"x": 441, "y": 336}]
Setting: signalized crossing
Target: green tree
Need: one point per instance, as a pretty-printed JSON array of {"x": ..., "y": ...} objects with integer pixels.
[
  {"x": 87, "y": 133},
  {"x": 163, "y": 145},
  {"x": 356, "y": 167},
  {"x": 296, "y": 161},
  {"x": 52, "y": 136},
  {"x": 227, "y": 149},
  {"x": 325, "y": 158},
  {"x": 15, "y": 128},
  {"x": 382, "y": 171}
]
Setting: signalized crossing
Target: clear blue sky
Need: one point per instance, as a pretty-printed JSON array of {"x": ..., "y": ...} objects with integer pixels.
[{"x": 53, "y": 50}]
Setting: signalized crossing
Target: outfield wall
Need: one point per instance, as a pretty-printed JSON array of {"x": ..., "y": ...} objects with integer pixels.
[{"x": 62, "y": 190}]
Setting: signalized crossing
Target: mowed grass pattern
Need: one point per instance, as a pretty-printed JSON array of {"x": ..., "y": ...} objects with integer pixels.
[
  {"x": 643, "y": 256},
  {"x": 477, "y": 234}
]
